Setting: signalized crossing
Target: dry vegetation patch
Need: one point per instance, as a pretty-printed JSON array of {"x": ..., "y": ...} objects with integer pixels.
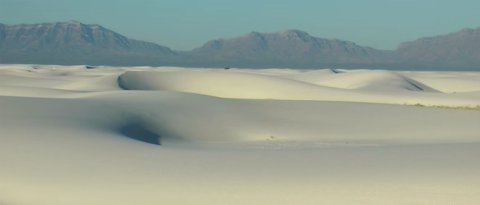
[{"x": 448, "y": 107}]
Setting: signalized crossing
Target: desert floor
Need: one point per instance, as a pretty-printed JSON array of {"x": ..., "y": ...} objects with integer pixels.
[{"x": 78, "y": 135}]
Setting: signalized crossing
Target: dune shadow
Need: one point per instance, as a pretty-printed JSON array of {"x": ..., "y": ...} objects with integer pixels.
[
  {"x": 120, "y": 84},
  {"x": 140, "y": 133},
  {"x": 335, "y": 71}
]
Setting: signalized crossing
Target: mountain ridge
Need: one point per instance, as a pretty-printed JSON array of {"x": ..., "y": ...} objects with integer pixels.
[
  {"x": 288, "y": 44},
  {"x": 461, "y": 48},
  {"x": 73, "y": 42}
]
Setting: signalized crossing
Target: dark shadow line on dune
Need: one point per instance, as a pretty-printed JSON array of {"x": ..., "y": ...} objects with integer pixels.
[
  {"x": 335, "y": 71},
  {"x": 415, "y": 85},
  {"x": 119, "y": 83},
  {"x": 140, "y": 133}
]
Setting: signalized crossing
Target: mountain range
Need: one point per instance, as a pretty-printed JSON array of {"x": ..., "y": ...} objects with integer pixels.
[{"x": 73, "y": 43}]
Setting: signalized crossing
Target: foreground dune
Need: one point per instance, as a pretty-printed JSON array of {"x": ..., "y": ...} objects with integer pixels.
[{"x": 141, "y": 135}]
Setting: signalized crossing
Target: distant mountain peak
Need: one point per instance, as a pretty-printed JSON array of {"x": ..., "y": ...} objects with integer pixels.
[
  {"x": 439, "y": 39},
  {"x": 293, "y": 31},
  {"x": 80, "y": 24},
  {"x": 287, "y": 45},
  {"x": 288, "y": 32},
  {"x": 470, "y": 31},
  {"x": 464, "y": 31},
  {"x": 460, "y": 48},
  {"x": 72, "y": 41},
  {"x": 73, "y": 22},
  {"x": 249, "y": 34}
]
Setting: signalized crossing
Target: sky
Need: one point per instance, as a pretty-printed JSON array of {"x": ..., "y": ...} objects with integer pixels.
[{"x": 187, "y": 24}]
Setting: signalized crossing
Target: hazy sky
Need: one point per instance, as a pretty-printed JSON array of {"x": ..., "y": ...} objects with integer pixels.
[{"x": 186, "y": 24}]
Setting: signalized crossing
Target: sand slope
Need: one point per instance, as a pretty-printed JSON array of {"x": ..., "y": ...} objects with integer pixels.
[
  {"x": 166, "y": 135},
  {"x": 366, "y": 86}
]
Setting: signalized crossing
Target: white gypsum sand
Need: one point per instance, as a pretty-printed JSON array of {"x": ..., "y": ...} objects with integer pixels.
[{"x": 141, "y": 135}]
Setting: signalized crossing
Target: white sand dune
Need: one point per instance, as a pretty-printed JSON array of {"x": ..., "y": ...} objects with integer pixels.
[
  {"x": 448, "y": 81},
  {"x": 141, "y": 135},
  {"x": 93, "y": 84},
  {"x": 359, "y": 86},
  {"x": 373, "y": 80}
]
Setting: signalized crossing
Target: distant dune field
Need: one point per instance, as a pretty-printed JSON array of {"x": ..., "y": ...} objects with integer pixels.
[{"x": 99, "y": 135}]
